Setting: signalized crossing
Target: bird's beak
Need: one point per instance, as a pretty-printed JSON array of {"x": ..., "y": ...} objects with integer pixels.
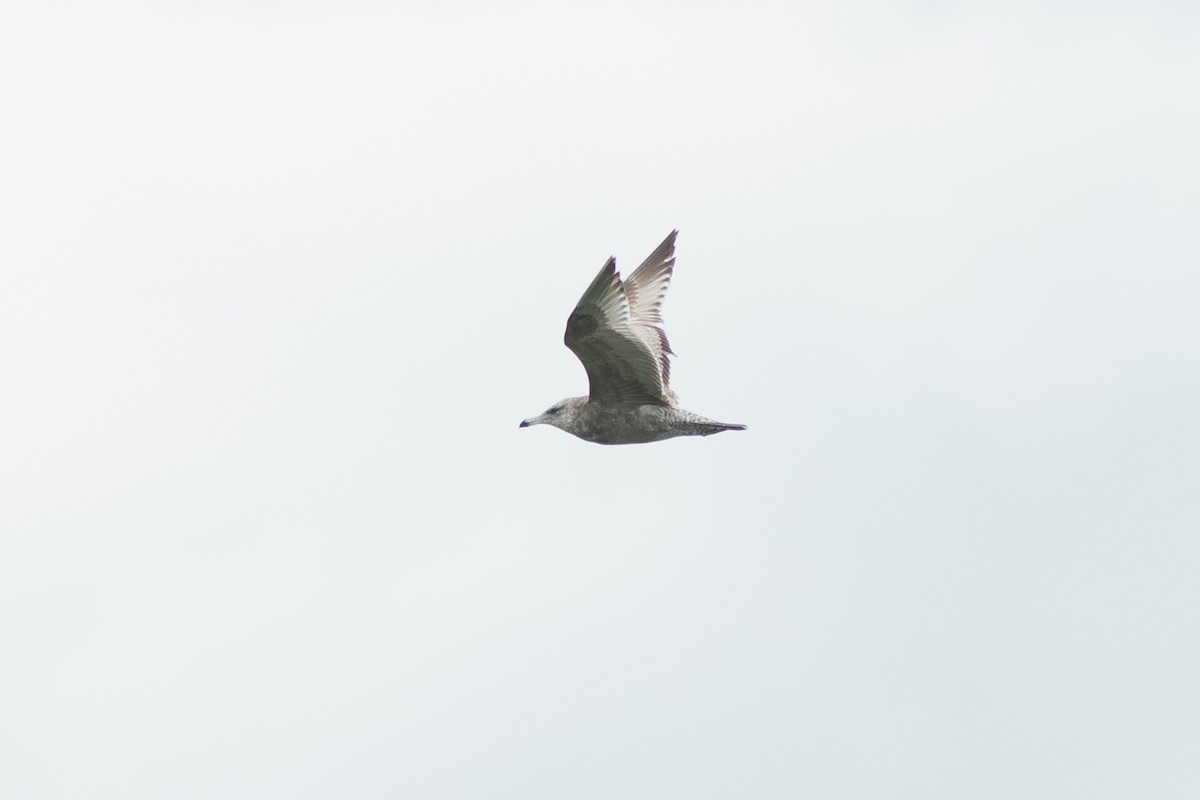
[{"x": 525, "y": 423}]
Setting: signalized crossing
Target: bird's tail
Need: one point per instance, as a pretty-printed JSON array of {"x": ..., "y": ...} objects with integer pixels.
[{"x": 710, "y": 427}]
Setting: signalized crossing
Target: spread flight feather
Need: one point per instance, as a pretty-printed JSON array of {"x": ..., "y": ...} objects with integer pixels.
[{"x": 616, "y": 332}]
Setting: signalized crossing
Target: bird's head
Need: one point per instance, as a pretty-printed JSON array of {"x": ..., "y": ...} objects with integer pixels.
[{"x": 560, "y": 415}]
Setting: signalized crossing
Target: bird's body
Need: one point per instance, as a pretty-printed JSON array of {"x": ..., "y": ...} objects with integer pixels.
[
  {"x": 615, "y": 330},
  {"x": 628, "y": 423}
]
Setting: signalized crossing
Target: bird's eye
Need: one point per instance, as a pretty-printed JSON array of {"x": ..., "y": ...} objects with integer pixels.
[{"x": 555, "y": 410}]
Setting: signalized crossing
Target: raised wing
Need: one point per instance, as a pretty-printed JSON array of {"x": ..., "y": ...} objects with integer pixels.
[{"x": 615, "y": 331}]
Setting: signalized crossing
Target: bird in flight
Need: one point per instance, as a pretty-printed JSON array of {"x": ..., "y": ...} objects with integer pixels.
[{"x": 616, "y": 332}]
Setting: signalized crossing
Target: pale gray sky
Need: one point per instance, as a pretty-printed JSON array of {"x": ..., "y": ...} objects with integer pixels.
[{"x": 280, "y": 280}]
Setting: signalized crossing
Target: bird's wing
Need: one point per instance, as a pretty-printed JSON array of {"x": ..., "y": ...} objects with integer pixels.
[{"x": 614, "y": 330}]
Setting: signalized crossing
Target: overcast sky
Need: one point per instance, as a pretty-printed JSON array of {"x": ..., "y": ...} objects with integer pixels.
[{"x": 280, "y": 280}]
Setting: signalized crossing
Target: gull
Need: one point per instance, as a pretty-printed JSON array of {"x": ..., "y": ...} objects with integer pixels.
[{"x": 616, "y": 332}]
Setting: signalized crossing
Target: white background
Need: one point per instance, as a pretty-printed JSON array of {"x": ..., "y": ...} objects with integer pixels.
[{"x": 279, "y": 281}]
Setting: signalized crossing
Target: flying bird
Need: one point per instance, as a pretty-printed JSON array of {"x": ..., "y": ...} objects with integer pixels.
[{"x": 616, "y": 332}]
